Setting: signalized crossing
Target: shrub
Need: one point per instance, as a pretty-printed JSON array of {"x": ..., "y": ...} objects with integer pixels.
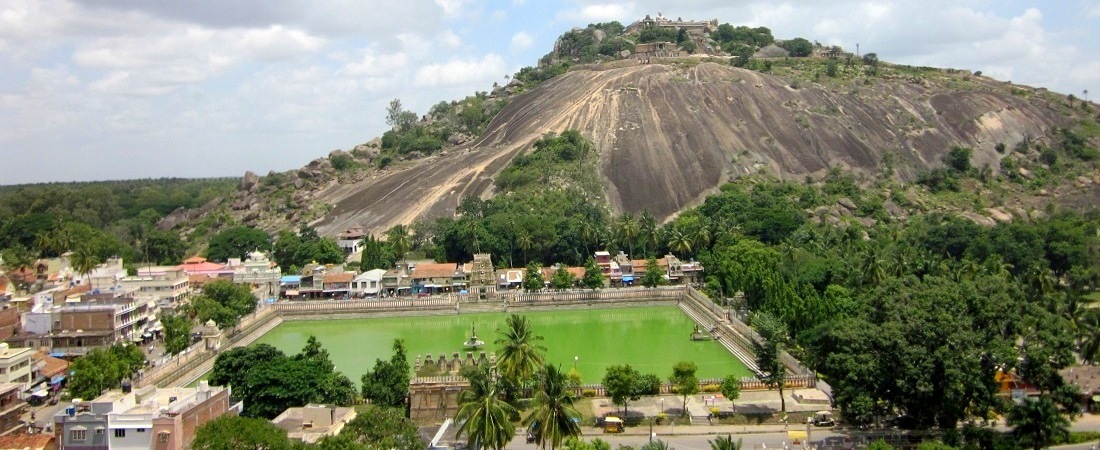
[
  {"x": 1048, "y": 156},
  {"x": 341, "y": 162},
  {"x": 711, "y": 388},
  {"x": 383, "y": 161},
  {"x": 588, "y": 393}
]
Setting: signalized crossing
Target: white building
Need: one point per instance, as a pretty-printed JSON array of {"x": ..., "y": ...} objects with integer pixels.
[
  {"x": 368, "y": 283},
  {"x": 259, "y": 271},
  {"x": 15, "y": 365},
  {"x": 351, "y": 239},
  {"x": 164, "y": 285}
]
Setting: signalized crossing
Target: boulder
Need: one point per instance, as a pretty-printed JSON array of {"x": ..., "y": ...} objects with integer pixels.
[
  {"x": 599, "y": 35},
  {"x": 1036, "y": 214},
  {"x": 867, "y": 222},
  {"x": 299, "y": 183},
  {"x": 457, "y": 139},
  {"x": 847, "y": 203},
  {"x": 1025, "y": 173},
  {"x": 999, "y": 215},
  {"x": 1085, "y": 181},
  {"x": 624, "y": 54},
  {"x": 894, "y": 210},
  {"x": 249, "y": 181},
  {"x": 978, "y": 218},
  {"x": 336, "y": 153}
]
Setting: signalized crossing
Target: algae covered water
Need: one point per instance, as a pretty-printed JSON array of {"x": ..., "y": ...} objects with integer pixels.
[{"x": 651, "y": 339}]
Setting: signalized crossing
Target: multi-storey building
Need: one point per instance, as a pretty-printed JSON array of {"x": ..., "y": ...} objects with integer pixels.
[
  {"x": 16, "y": 365},
  {"x": 165, "y": 285},
  {"x": 11, "y": 408},
  {"x": 148, "y": 418}
]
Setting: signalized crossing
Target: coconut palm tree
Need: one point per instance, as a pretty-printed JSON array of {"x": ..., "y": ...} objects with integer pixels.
[
  {"x": 485, "y": 417},
  {"x": 679, "y": 242},
  {"x": 520, "y": 353},
  {"x": 554, "y": 412},
  {"x": 1038, "y": 423},
  {"x": 648, "y": 228},
  {"x": 400, "y": 240},
  {"x": 628, "y": 231},
  {"x": 524, "y": 242},
  {"x": 84, "y": 261},
  {"x": 725, "y": 443},
  {"x": 1089, "y": 332}
]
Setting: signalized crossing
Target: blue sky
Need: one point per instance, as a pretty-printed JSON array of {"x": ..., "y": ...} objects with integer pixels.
[{"x": 111, "y": 89}]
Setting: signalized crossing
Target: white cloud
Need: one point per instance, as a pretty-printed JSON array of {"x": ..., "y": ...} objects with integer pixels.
[
  {"x": 601, "y": 12},
  {"x": 449, "y": 39},
  {"x": 451, "y": 7},
  {"x": 277, "y": 42},
  {"x": 521, "y": 41},
  {"x": 457, "y": 72}
]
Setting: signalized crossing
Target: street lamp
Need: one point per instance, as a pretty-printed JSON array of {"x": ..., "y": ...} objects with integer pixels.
[{"x": 575, "y": 359}]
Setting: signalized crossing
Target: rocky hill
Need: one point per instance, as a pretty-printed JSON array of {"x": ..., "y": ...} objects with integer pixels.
[{"x": 670, "y": 132}]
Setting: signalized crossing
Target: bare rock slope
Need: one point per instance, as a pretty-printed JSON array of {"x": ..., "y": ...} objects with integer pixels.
[{"x": 668, "y": 135}]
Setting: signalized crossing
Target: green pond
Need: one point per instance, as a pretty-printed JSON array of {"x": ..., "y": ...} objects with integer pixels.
[{"x": 651, "y": 339}]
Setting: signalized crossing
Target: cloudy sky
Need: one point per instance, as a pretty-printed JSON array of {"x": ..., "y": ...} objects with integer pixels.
[{"x": 110, "y": 89}]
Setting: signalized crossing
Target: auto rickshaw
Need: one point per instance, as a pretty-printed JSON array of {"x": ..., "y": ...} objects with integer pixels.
[
  {"x": 612, "y": 425},
  {"x": 824, "y": 419}
]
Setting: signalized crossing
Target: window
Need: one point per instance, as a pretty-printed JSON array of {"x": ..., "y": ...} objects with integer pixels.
[
  {"x": 140, "y": 430},
  {"x": 78, "y": 435},
  {"x": 120, "y": 433}
]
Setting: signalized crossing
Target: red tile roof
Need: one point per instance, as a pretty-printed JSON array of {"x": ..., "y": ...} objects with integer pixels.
[
  {"x": 26, "y": 441},
  {"x": 345, "y": 277},
  {"x": 434, "y": 270}
]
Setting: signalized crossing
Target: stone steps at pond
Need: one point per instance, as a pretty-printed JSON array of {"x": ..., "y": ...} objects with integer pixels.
[
  {"x": 746, "y": 357},
  {"x": 208, "y": 365}
]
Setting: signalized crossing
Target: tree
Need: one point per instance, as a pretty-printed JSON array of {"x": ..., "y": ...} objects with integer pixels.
[
  {"x": 731, "y": 389},
  {"x": 84, "y": 261},
  {"x": 871, "y": 60},
  {"x": 236, "y": 242},
  {"x": 399, "y": 239},
  {"x": 654, "y": 275},
  {"x": 398, "y": 118},
  {"x": 380, "y": 427},
  {"x": 376, "y": 255},
  {"x": 230, "y": 432},
  {"x": 684, "y": 380},
  {"x": 769, "y": 349},
  {"x": 958, "y": 159},
  {"x": 1038, "y": 423},
  {"x": 177, "y": 332},
  {"x": 562, "y": 279},
  {"x": 798, "y": 46},
  {"x": 388, "y": 383},
  {"x": 224, "y": 302},
  {"x": 593, "y": 276},
  {"x": 725, "y": 443},
  {"x": 486, "y": 418},
  {"x": 553, "y": 413},
  {"x": 628, "y": 231},
  {"x": 269, "y": 381},
  {"x": 532, "y": 278},
  {"x": 104, "y": 368},
  {"x": 621, "y": 384},
  {"x": 520, "y": 354}
]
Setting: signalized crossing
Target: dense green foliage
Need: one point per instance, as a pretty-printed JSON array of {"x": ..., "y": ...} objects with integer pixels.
[
  {"x": 373, "y": 428},
  {"x": 798, "y": 46},
  {"x": 177, "y": 332},
  {"x": 269, "y": 381},
  {"x": 294, "y": 250},
  {"x": 102, "y": 369},
  {"x": 388, "y": 383},
  {"x": 224, "y": 302},
  {"x": 237, "y": 242},
  {"x": 240, "y": 433},
  {"x": 104, "y": 219},
  {"x": 727, "y": 36}
]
